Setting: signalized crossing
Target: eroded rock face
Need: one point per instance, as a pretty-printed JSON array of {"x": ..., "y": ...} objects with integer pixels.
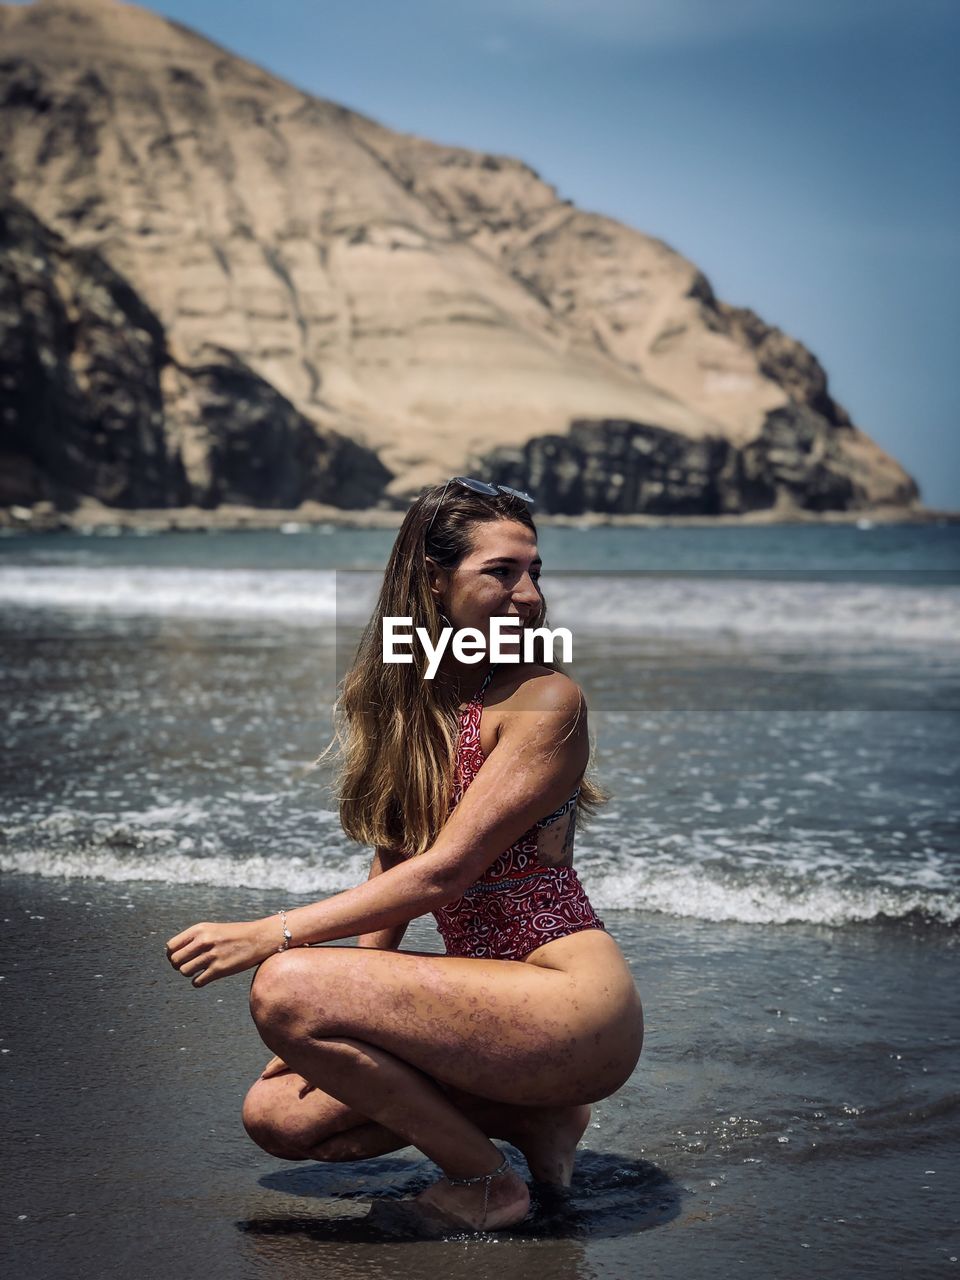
[
  {"x": 242, "y": 442},
  {"x": 91, "y": 402},
  {"x": 81, "y": 410},
  {"x": 616, "y": 468},
  {"x": 307, "y": 267},
  {"x": 621, "y": 468}
]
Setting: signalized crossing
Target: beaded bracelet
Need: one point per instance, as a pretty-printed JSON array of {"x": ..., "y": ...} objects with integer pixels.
[{"x": 287, "y": 935}]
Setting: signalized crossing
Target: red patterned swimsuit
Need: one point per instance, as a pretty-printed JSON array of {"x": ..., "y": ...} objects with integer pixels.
[{"x": 518, "y": 904}]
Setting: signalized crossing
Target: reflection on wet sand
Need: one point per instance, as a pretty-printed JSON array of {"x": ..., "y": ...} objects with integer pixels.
[{"x": 370, "y": 1202}]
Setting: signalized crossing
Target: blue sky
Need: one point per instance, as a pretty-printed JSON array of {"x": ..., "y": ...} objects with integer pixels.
[{"x": 801, "y": 152}]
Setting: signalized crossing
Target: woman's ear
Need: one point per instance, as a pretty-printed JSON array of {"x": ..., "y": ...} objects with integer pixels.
[{"x": 438, "y": 578}]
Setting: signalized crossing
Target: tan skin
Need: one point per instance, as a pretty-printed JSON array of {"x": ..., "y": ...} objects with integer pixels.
[{"x": 378, "y": 1048}]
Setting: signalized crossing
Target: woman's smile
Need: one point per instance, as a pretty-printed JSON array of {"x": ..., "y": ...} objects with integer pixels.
[{"x": 500, "y": 577}]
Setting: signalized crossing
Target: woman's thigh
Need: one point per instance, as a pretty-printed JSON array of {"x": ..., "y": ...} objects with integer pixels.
[{"x": 500, "y": 1029}]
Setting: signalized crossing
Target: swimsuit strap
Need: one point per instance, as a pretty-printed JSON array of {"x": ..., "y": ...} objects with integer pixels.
[{"x": 478, "y": 696}]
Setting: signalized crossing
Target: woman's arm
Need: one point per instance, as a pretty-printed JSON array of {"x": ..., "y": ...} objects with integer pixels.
[
  {"x": 383, "y": 939},
  {"x": 542, "y": 751}
]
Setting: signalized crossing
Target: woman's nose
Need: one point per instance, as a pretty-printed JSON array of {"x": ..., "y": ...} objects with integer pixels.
[{"x": 527, "y": 592}]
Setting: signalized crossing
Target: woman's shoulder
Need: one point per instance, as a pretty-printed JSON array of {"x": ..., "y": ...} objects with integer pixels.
[{"x": 530, "y": 686}]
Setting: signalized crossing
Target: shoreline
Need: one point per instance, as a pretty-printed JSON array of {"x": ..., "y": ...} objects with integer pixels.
[{"x": 93, "y": 517}]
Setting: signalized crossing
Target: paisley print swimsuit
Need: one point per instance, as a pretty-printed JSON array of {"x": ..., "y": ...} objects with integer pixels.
[{"x": 518, "y": 904}]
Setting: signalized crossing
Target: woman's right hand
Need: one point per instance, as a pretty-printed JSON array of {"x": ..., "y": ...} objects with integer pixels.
[
  {"x": 273, "y": 1068},
  {"x": 276, "y": 1067}
]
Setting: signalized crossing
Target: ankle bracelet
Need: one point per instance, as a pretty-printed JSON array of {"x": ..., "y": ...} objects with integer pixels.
[
  {"x": 486, "y": 1179},
  {"x": 481, "y": 1177}
]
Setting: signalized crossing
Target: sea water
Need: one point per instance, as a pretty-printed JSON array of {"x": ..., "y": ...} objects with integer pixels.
[{"x": 775, "y": 712}]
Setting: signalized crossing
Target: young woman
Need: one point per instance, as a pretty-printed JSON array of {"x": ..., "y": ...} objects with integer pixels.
[{"x": 468, "y": 787}]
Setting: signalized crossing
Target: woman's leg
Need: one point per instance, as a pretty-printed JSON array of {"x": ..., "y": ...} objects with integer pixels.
[
  {"x": 404, "y": 1100},
  {"x": 377, "y": 1029},
  {"x": 294, "y": 1121}
]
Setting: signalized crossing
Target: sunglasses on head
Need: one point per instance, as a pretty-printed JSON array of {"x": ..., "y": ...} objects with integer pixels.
[{"x": 480, "y": 486}]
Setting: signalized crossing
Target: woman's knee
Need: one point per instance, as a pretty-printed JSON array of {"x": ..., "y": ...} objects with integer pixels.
[
  {"x": 292, "y": 1123},
  {"x": 268, "y": 1125},
  {"x": 274, "y": 991}
]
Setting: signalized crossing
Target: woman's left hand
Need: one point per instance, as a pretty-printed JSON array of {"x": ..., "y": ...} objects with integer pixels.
[{"x": 205, "y": 952}]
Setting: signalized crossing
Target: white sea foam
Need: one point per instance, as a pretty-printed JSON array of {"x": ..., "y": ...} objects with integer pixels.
[
  {"x": 293, "y": 874},
  {"x": 701, "y": 893},
  {"x": 297, "y": 596},
  {"x": 703, "y": 896},
  {"x": 639, "y": 605},
  {"x": 744, "y": 608}
]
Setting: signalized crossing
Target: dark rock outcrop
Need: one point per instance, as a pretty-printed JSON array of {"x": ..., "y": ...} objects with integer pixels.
[
  {"x": 614, "y": 467},
  {"x": 625, "y": 468},
  {"x": 253, "y": 447},
  {"x": 92, "y": 403}
]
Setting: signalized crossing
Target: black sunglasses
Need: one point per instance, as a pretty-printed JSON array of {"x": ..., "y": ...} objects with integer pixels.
[{"x": 480, "y": 486}]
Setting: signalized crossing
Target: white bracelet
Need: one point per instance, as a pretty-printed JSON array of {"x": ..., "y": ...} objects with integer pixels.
[{"x": 287, "y": 935}]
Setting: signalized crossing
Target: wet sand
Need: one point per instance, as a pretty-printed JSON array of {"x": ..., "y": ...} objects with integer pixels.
[{"x": 794, "y": 1111}]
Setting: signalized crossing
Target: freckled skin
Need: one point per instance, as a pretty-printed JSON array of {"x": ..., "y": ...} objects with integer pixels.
[{"x": 561, "y": 1028}]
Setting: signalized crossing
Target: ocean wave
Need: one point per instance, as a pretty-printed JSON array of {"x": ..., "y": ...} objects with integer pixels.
[
  {"x": 768, "y": 899},
  {"x": 295, "y": 874},
  {"x": 296, "y": 596},
  {"x": 603, "y": 603},
  {"x": 745, "y": 608}
]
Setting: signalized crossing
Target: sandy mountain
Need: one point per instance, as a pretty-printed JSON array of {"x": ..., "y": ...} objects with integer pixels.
[{"x": 433, "y": 306}]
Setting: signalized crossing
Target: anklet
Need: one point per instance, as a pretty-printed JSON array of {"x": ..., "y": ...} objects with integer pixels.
[{"x": 486, "y": 1179}]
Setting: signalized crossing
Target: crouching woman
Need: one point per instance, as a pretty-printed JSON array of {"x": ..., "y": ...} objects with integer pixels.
[{"x": 469, "y": 787}]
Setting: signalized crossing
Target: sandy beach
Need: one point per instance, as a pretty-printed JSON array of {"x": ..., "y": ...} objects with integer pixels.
[
  {"x": 91, "y": 516},
  {"x": 774, "y": 1127}
]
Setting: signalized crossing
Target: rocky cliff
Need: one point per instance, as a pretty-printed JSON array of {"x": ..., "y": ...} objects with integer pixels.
[
  {"x": 219, "y": 289},
  {"x": 92, "y": 402}
]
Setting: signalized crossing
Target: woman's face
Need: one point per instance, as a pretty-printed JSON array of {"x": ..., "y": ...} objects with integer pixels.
[{"x": 499, "y": 577}]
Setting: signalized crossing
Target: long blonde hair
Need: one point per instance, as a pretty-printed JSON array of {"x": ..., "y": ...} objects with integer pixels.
[{"x": 397, "y": 731}]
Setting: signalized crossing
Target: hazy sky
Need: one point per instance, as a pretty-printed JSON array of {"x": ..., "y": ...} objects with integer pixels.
[{"x": 801, "y": 152}]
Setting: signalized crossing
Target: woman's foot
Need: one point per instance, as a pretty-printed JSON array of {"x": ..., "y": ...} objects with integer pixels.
[
  {"x": 507, "y": 1202},
  {"x": 548, "y": 1139}
]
